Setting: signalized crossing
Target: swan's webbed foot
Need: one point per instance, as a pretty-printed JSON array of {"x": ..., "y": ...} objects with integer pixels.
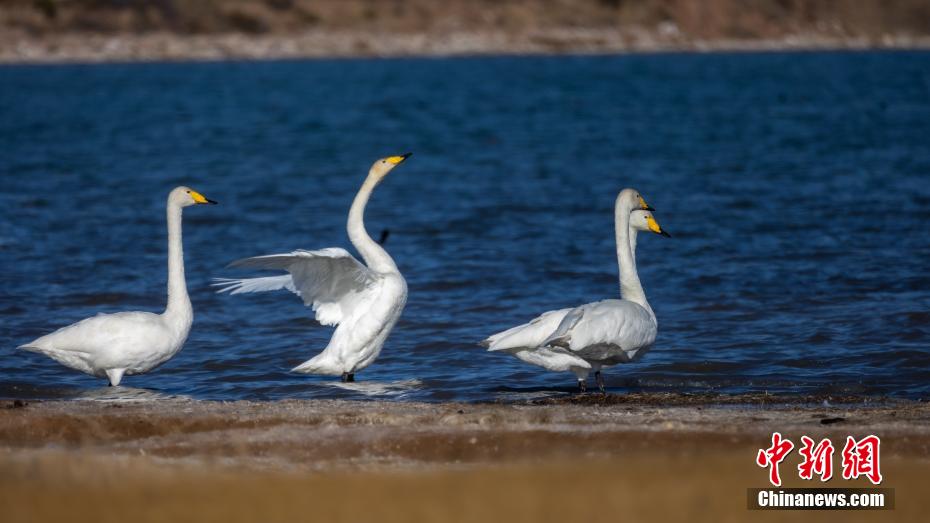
[
  {"x": 582, "y": 385},
  {"x": 348, "y": 377}
]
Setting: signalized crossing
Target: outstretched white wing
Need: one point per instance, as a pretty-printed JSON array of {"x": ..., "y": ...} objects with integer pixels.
[{"x": 329, "y": 280}]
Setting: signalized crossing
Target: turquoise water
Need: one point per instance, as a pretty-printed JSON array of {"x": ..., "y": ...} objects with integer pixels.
[{"x": 796, "y": 187}]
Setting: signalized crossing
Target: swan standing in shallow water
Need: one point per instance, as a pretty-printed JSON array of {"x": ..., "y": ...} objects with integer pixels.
[
  {"x": 127, "y": 343},
  {"x": 598, "y": 334},
  {"x": 365, "y": 302}
]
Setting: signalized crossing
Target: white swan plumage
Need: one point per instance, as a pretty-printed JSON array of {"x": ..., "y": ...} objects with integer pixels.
[
  {"x": 126, "y": 343},
  {"x": 364, "y": 302},
  {"x": 594, "y": 335}
]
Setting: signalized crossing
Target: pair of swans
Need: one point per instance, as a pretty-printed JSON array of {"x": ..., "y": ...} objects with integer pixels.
[
  {"x": 600, "y": 334},
  {"x": 364, "y": 303}
]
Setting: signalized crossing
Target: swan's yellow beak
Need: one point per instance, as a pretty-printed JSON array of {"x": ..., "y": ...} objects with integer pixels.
[
  {"x": 397, "y": 159},
  {"x": 654, "y": 227},
  {"x": 643, "y": 205},
  {"x": 199, "y": 198}
]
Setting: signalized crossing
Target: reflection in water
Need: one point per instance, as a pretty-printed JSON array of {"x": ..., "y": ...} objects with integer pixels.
[
  {"x": 123, "y": 393},
  {"x": 397, "y": 389},
  {"x": 529, "y": 395}
]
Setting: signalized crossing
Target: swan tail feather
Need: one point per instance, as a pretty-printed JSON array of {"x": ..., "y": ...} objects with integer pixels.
[
  {"x": 321, "y": 364},
  {"x": 527, "y": 336},
  {"x": 508, "y": 339},
  {"x": 493, "y": 345}
]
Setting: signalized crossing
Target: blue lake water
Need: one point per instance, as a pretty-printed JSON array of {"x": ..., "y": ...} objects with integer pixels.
[{"x": 796, "y": 187}]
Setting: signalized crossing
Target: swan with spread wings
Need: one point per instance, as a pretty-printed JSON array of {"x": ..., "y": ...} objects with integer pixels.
[{"x": 363, "y": 302}]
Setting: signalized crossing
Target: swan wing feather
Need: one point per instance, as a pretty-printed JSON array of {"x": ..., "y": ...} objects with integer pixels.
[
  {"x": 562, "y": 336},
  {"x": 622, "y": 324},
  {"x": 329, "y": 280},
  {"x": 246, "y": 285}
]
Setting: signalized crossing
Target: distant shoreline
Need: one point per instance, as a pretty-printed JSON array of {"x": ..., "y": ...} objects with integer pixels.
[{"x": 169, "y": 47}]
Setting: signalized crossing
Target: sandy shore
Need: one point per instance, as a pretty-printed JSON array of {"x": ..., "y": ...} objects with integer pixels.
[
  {"x": 645, "y": 456},
  {"x": 89, "y": 48},
  {"x": 40, "y": 31}
]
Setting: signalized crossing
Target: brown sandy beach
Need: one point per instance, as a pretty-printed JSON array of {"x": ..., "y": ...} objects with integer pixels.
[
  {"x": 43, "y": 31},
  {"x": 645, "y": 456}
]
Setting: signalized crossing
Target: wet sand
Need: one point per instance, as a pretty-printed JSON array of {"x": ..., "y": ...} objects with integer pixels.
[{"x": 643, "y": 456}]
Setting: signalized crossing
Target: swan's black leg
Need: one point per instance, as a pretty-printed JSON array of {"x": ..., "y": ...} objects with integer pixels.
[
  {"x": 582, "y": 385},
  {"x": 600, "y": 381},
  {"x": 348, "y": 377}
]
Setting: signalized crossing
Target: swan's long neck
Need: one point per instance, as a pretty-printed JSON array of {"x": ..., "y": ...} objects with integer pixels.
[
  {"x": 374, "y": 255},
  {"x": 630, "y": 287},
  {"x": 179, "y": 304},
  {"x": 633, "y": 233}
]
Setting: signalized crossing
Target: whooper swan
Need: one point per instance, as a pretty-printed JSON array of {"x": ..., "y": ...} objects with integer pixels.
[
  {"x": 127, "y": 343},
  {"x": 598, "y": 334},
  {"x": 364, "y": 302}
]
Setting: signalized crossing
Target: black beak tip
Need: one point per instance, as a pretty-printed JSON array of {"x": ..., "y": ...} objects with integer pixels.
[
  {"x": 211, "y": 202},
  {"x": 649, "y": 208},
  {"x": 406, "y": 155},
  {"x": 667, "y": 235}
]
